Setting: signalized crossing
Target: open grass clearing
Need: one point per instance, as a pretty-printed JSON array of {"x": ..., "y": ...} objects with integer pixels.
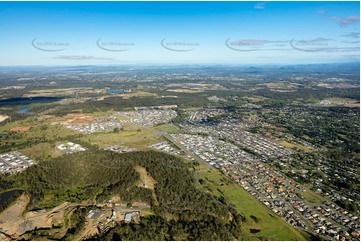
[
  {"x": 169, "y": 128},
  {"x": 42, "y": 151},
  {"x": 313, "y": 197},
  {"x": 293, "y": 145},
  {"x": 131, "y": 136},
  {"x": 186, "y": 90}
]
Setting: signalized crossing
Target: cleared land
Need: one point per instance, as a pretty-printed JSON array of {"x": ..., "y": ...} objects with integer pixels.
[
  {"x": 280, "y": 86},
  {"x": 19, "y": 129},
  {"x": 186, "y": 90},
  {"x": 78, "y": 119},
  {"x": 42, "y": 151},
  {"x": 146, "y": 180},
  {"x": 3, "y": 117},
  {"x": 346, "y": 102},
  {"x": 292, "y": 145},
  {"x": 37, "y": 128},
  {"x": 131, "y": 136},
  {"x": 138, "y": 94},
  {"x": 60, "y": 92},
  {"x": 352, "y": 105},
  {"x": 17, "y": 224},
  {"x": 313, "y": 197},
  {"x": 169, "y": 128}
]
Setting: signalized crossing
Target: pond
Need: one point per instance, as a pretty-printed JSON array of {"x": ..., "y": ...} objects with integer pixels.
[
  {"x": 6, "y": 195},
  {"x": 24, "y": 110},
  {"x": 115, "y": 91}
]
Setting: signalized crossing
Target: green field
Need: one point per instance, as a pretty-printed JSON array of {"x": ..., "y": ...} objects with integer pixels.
[
  {"x": 28, "y": 133},
  {"x": 42, "y": 151},
  {"x": 54, "y": 90},
  {"x": 312, "y": 196},
  {"x": 38, "y": 128},
  {"x": 131, "y": 136},
  {"x": 298, "y": 146},
  {"x": 169, "y": 128},
  {"x": 271, "y": 225}
]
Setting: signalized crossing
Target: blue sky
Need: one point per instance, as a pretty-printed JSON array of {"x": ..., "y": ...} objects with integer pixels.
[{"x": 82, "y": 33}]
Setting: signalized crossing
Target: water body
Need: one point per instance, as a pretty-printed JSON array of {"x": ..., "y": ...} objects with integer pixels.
[
  {"x": 24, "y": 110},
  {"x": 27, "y": 100},
  {"x": 115, "y": 91},
  {"x": 6, "y": 195}
]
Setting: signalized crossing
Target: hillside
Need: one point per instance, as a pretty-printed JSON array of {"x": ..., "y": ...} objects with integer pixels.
[{"x": 99, "y": 175}]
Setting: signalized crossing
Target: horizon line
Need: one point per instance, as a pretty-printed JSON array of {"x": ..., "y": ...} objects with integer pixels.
[{"x": 187, "y": 64}]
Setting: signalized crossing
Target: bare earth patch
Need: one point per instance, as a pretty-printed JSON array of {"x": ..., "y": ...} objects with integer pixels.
[
  {"x": 186, "y": 90},
  {"x": 89, "y": 230},
  {"x": 14, "y": 223},
  {"x": 137, "y": 94},
  {"x": 146, "y": 180},
  {"x": 3, "y": 117},
  {"x": 78, "y": 119},
  {"x": 20, "y": 129},
  {"x": 352, "y": 105}
]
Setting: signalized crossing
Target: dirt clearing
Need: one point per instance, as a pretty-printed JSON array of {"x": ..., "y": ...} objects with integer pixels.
[
  {"x": 3, "y": 118},
  {"x": 20, "y": 129},
  {"x": 146, "y": 180},
  {"x": 78, "y": 119},
  {"x": 14, "y": 223}
]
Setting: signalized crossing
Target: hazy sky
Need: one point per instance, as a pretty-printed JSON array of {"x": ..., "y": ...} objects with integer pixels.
[{"x": 81, "y": 33}]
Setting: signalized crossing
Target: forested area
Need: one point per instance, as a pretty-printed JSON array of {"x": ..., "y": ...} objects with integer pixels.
[
  {"x": 304, "y": 94},
  {"x": 76, "y": 222},
  {"x": 157, "y": 228},
  {"x": 185, "y": 100},
  {"x": 101, "y": 174}
]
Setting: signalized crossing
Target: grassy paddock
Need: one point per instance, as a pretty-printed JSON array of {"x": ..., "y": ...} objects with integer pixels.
[
  {"x": 299, "y": 146},
  {"x": 131, "y": 136},
  {"x": 169, "y": 128}
]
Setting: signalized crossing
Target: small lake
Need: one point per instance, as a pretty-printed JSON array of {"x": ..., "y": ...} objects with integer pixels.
[
  {"x": 22, "y": 101},
  {"x": 24, "y": 110},
  {"x": 115, "y": 91},
  {"x": 6, "y": 195}
]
